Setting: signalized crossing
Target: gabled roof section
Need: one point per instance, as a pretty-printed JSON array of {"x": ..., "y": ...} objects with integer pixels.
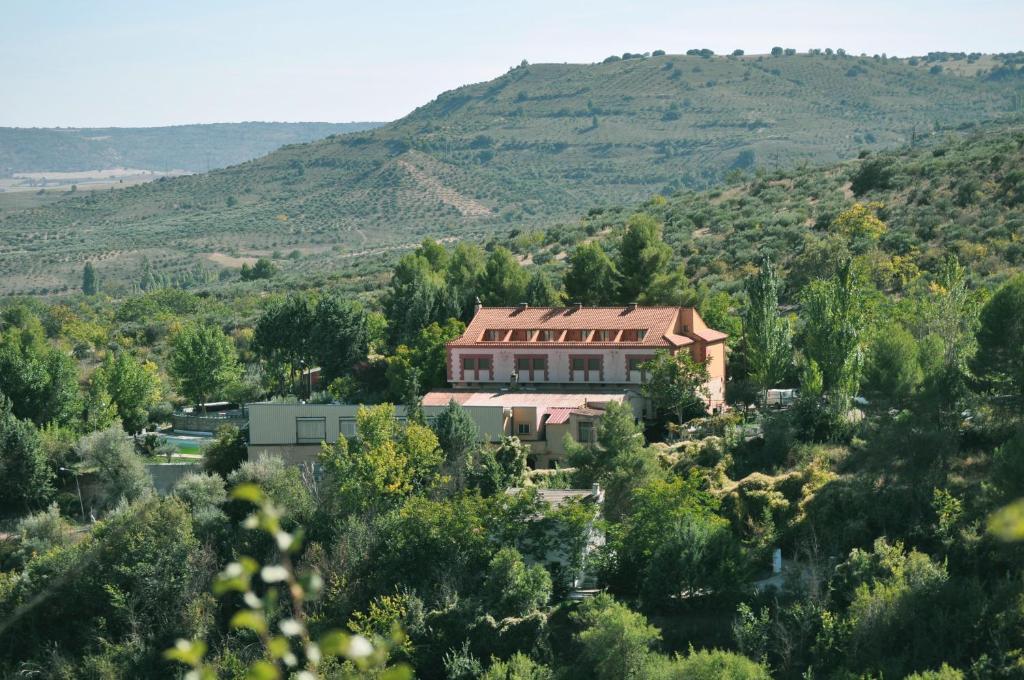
[{"x": 666, "y": 327}]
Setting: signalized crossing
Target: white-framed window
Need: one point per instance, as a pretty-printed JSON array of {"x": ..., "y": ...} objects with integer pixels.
[
  {"x": 309, "y": 430},
  {"x": 347, "y": 427},
  {"x": 522, "y": 428},
  {"x": 637, "y": 372}
]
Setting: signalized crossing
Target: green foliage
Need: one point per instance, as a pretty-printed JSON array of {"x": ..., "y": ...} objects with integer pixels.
[
  {"x": 25, "y": 477},
  {"x": 643, "y": 257},
  {"x": 767, "y": 335},
  {"x": 263, "y": 268},
  {"x": 591, "y": 277},
  {"x": 203, "y": 362},
  {"x": 616, "y": 642},
  {"x": 676, "y": 384},
  {"x": 457, "y": 435},
  {"x": 133, "y": 388},
  {"x": 893, "y": 371},
  {"x": 834, "y": 320},
  {"x": 227, "y": 452},
  {"x": 513, "y": 589},
  {"x": 40, "y": 380},
  {"x": 504, "y": 280},
  {"x": 1000, "y": 358},
  {"x": 118, "y": 468},
  {"x": 518, "y": 667},
  {"x": 90, "y": 286}
]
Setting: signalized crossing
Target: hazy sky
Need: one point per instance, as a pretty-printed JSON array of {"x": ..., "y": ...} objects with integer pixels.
[{"x": 107, "y": 62}]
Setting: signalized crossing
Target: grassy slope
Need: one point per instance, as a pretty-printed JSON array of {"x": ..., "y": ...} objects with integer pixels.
[
  {"x": 519, "y": 151},
  {"x": 194, "y": 148}
]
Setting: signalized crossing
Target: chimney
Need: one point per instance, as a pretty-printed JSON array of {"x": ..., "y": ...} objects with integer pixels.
[
  {"x": 596, "y": 492},
  {"x": 575, "y": 306},
  {"x": 522, "y": 306},
  {"x": 477, "y": 305},
  {"x": 631, "y": 307}
]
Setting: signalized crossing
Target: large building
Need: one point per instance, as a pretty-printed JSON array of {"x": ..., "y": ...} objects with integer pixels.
[
  {"x": 555, "y": 368},
  {"x": 540, "y": 374}
]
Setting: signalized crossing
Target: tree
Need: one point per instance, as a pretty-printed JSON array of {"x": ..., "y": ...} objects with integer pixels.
[
  {"x": 25, "y": 479},
  {"x": 1000, "y": 357},
  {"x": 590, "y": 278},
  {"x": 643, "y": 257},
  {"x": 677, "y": 384},
  {"x": 541, "y": 293},
  {"x": 834, "y": 323},
  {"x": 41, "y": 381},
  {"x": 457, "y": 435},
  {"x": 340, "y": 335},
  {"x": 860, "y": 225},
  {"x": 518, "y": 667},
  {"x": 465, "y": 268},
  {"x": 283, "y": 336},
  {"x": 418, "y": 296},
  {"x": 203, "y": 362},
  {"x": 119, "y": 469},
  {"x": 384, "y": 464},
  {"x": 776, "y": 51},
  {"x": 133, "y": 388},
  {"x": 504, "y": 280},
  {"x": 90, "y": 284},
  {"x": 697, "y": 555},
  {"x": 893, "y": 368},
  {"x": 226, "y": 453},
  {"x": 767, "y": 336},
  {"x": 616, "y": 641},
  {"x": 513, "y": 589},
  {"x": 262, "y": 269}
]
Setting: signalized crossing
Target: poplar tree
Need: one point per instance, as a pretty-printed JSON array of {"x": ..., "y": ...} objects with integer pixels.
[{"x": 767, "y": 337}]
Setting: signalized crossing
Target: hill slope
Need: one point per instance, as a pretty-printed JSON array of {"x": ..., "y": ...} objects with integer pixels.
[
  {"x": 194, "y": 148},
  {"x": 531, "y": 148}
]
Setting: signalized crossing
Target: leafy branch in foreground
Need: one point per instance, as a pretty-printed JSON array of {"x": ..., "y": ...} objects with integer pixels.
[{"x": 291, "y": 651}]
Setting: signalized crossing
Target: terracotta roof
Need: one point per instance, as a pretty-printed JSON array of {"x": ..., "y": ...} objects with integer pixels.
[
  {"x": 660, "y": 326},
  {"x": 547, "y": 400},
  {"x": 584, "y": 411},
  {"x": 557, "y": 416}
]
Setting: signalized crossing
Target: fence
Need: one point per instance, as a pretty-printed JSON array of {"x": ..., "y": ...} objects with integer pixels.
[{"x": 211, "y": 422}]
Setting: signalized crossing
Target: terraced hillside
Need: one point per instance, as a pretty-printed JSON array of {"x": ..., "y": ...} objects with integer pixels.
[
  {"x": 193, "y": 148},
  {"x": 529, "y": 149}
]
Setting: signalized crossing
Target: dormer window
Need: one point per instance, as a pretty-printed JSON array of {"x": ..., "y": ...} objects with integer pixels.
[
  {"x": 547, "y": 336},
  {"x": 493, "y": 335},
  {"x": 521, "y": 335},
  {"x": 604, "y": 336},
  {"x": 633, "y": 335}
]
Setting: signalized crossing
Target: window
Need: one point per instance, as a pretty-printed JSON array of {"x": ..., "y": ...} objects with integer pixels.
[
  {"x": 587, "y": 368},
  {"x": 475, "y": 369},
  {"x": 548, "y": 336},
  {"x": 633, "y": 335},
  {"x": 577, "y": 335},
  {"x": 637, "y": 372},
  {"x": 494, "y": 335},
  {"x": 604, "y": 336},
  {"x": 310, "y": 430},
  {"x": 347, "y": 427},
  {"x": 586, "y": 432},
  {"x": 531, "y": 369},
  {"x": 523, "y": 428},
  {"x": 520, "y": 335}
]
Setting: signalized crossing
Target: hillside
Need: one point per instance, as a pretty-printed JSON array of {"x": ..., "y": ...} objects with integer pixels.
[
  {"x": 192, "y": 148},
  {"x": 529, "y": 149}
]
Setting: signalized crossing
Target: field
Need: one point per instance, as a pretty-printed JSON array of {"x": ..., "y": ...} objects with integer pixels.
[{"x": 529, "y": 150}]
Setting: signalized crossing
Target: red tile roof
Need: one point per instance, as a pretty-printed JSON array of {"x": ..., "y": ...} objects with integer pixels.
[
  {"x": 661, "y": 326},
  {"x": 557, "y": 416}
]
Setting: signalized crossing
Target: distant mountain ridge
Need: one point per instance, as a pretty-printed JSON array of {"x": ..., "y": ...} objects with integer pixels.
[
  {"x": 530, "y": 149},
  {"x": 194, "y": 148}
]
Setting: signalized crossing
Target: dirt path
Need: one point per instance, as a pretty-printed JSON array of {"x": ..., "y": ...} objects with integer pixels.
[{"x": 468, "y": 207}]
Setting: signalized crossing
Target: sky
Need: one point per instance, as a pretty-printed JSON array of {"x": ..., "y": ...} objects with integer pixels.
[{"x": 102, "y": 63}]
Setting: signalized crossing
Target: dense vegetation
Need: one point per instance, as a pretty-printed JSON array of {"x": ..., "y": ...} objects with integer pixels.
[
  {"x": 195, "y": 148},
  {"x": 887, "y": 289},
  {"x": 529, "y": 149}
]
